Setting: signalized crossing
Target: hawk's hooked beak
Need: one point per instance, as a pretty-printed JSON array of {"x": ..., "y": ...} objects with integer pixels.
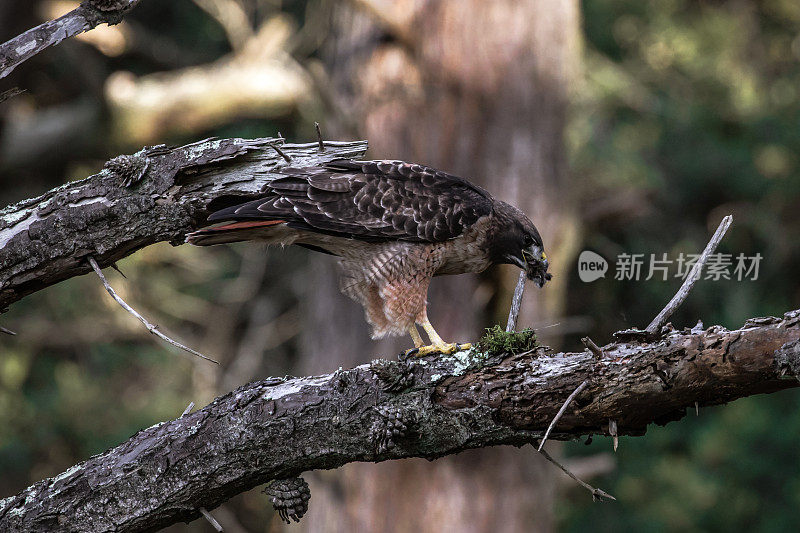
[{"x": 534, "y": 262}]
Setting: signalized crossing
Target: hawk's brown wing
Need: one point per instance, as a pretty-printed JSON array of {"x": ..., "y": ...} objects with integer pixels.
[{"x": 369, "y": 200}]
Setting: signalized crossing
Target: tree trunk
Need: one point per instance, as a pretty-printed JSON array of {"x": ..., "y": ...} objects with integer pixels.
[{"x": 478, "y": 89}]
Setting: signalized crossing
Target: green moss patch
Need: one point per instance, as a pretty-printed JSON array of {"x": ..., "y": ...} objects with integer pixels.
[{"x": 497, "y": 340}]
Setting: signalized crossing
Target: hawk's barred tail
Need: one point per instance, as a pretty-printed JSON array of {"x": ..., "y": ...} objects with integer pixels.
[{"x": 233, "y": 232}]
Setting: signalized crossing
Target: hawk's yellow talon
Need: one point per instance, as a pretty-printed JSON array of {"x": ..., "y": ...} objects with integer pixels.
[
  {"x": 410, "y": 353},
  {"x": 433, "y": 348},
  {"x": 444, "y": 348}
]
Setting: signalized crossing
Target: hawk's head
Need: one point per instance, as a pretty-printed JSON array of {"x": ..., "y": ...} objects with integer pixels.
[{"x": 515, "y": 240}]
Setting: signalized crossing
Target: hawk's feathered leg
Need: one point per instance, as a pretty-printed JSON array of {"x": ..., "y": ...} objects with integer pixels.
[{"x": 393, "y": 288}]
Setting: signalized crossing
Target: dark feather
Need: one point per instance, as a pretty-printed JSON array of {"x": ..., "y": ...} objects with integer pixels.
[{"x": 369, "y": 200}]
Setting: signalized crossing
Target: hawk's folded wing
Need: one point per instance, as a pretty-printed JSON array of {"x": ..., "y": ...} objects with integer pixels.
[{"x": 369, "y": 200}]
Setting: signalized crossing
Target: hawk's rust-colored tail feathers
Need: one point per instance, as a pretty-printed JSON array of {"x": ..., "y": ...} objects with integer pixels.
[{"x": 233, "y": 232}]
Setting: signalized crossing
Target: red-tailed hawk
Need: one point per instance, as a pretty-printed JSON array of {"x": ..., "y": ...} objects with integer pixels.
[{"x": 394, "y": 226}]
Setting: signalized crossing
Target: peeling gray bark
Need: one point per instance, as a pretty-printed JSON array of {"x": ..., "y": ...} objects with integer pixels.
[
  {"x": 278, "y": 428},
  {"x": 88, "y": 15},
  {"x": 157, "y": 194}
]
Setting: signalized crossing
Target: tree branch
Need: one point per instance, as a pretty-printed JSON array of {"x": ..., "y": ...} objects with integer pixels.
[
  {"x": 516, "y": 303},
  {"x": 157, "y": 194},
  {"x": 278, "y": 428},
  {"x": 86, "y": 16},
  {"x": 597, "y": 494},
  {"x": 152, "y": 328}
]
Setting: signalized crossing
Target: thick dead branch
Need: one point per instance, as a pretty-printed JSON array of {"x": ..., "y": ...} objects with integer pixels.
[
  {"x": 157, "y": 194},
  {"x": 279, "y": 428},
  {"x": 86, "y": 16}
]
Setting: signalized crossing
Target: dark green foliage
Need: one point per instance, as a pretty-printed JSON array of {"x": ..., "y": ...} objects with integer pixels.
[
  {"x": 497, "y": 340},
  {"x": 692, "y": 108}
]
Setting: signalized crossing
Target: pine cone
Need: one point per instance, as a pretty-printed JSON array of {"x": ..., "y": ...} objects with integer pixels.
[
  {"x": 129, "y": 168},
  {"x": 107, "y": 5},
  {"x": 394, "y": 424},
  {"x": 393, "y": 375},
  {"x": 289, "y": 497}
]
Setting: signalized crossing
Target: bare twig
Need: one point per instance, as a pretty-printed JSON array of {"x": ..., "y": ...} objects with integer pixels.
[
  {"x": 6, "y": 331},
  {"x": 10, "y": 93},
  {"x": 280, "y": 153},
  {"x": 150, "y": 327},
  {"x": 612, "y": 430},
  {"x": 211, "y": 519},
  {"x": 594, "y": 348},
  {"x": 188, "y": 409},
  {"x": 597, "y": 494},
  {"x": 121, "y": 273},
  {"x": 561, "y": 411},
  {"x": 691, "y": 279},
  {"x": 516, "y": 303},
  {"x": 319, "y": 137}
]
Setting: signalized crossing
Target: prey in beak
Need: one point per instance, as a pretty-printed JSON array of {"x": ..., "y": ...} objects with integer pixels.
[{"x": 534, "y": 262}]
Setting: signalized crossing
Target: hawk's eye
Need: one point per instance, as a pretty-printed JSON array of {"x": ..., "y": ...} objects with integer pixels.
[{"x": 527, "y": 240}]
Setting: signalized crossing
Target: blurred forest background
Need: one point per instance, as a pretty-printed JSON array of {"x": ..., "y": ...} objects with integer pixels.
[{"x": 618, "y": 125}]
